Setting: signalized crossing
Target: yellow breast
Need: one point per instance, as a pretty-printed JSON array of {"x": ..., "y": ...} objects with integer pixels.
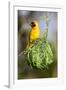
[{"x": 34, "y": 34}]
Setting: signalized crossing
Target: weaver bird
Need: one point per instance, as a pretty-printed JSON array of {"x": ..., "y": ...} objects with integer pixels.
[{"x": 35, "y": 32}]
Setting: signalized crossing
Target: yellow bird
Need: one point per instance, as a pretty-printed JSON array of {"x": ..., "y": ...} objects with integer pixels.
[{"x": 35, "y": 32}]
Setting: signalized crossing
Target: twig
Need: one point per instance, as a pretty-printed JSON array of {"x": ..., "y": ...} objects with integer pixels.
[
  {"x": 20, "y": 53},
  {"x": 23, "y": 52}
]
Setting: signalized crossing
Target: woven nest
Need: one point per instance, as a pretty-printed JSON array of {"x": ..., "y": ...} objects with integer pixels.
[{"x": 40, "y": 55}]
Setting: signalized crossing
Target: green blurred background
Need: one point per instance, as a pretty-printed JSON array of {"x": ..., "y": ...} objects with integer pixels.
[{"x": 24, "y": 20}]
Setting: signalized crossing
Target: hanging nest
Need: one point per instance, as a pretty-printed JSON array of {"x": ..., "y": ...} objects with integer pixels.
[{"x": 40, "y": 54}]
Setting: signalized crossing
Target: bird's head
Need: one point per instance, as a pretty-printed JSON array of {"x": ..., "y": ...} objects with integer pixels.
[{"x": 34, "y": 24}]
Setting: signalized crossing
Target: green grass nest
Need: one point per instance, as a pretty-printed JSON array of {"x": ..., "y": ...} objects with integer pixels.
[{"x": 40, "y": 54}]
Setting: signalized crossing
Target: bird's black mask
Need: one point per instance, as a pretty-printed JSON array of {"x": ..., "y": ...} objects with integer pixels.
[{"x": 33, "y": 24}]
